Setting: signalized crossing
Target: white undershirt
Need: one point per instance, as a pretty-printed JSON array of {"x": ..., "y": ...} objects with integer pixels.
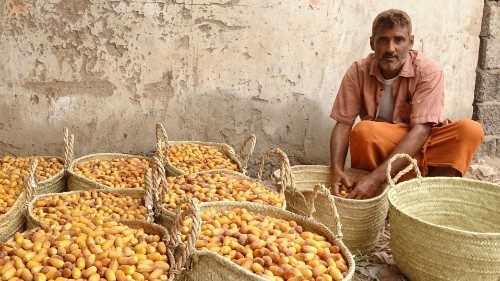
[{"x": 387, "y": 102}]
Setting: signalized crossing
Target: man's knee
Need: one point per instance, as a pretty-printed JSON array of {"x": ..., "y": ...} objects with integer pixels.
[
  {"x": 363, "y": 130},
  {"x": 469, "y": 131}
]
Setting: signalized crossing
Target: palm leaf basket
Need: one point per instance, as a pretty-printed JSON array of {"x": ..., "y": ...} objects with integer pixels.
[
  {"x": 79, "y": 182},
  {"x": 160, "y": 186},
  {"x": 15, "y": 218},
  {"x": 362, "y": 220},
  {"x": 145, "y": 195},
  {"x": 208, "y": 265},
  {"x": 163, "y": 143},
  {"x": 444, "y": 228}
]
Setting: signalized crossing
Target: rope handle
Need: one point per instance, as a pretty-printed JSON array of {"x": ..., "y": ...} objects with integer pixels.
[
  {"x": 31, "y": 183},
  {"x": 321, "y": 189},
  {"x": 161, "y": 133},
  {"x": 413, "y": 166},
  {"x": 252, "y": 140},
  {"x": 286, "y": 176},
  {"x": 69, "y": 155},
  {"x": 186, "y": 249},
  {"x": 149, "y": 195},
  {"x": 162, "y": 185},
  {"x": 192, "y": 212}
]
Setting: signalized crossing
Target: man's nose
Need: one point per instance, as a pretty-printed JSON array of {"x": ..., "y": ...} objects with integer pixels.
[{"x": 392, "y": 46}]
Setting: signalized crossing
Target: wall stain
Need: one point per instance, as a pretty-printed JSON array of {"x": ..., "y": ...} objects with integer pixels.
[
  {"x": 72, "y": 10},
  {"x": 35, "y": 99},
  {"x": 57, "y": 89},
  {"x": 160, "y": 90}
]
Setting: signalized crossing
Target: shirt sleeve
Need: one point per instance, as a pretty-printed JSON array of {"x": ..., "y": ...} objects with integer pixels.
[
  {"x": 428, "y": 100},
  {"x": 347, "y": 103}
]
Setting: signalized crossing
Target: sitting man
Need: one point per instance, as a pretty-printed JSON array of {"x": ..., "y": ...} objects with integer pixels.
[{"x": 399, "y": 95}]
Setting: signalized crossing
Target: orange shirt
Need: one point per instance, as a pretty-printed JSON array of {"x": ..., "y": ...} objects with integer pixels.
[{"x": 418, "y": 92}]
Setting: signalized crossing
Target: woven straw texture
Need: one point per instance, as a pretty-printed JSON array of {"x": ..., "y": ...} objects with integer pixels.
[
  {"x": 445, "y": 228},
  {"x": 362, "y": 220},
  {"x": 14, "y": 220},
  {"x": 33, "y": 221},
  {"x": 77, "y": 182},
  {"x": 165, "y": 235},
  {"x": 208, "y": 265},
  {"x": 152, "y": 229},
  {"x": 55, "y": 184},
  {"x": 163, "y": 143},
  {"x": 159, "y": 187}
]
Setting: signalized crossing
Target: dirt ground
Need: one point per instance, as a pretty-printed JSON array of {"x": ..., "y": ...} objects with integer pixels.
[{"x": 379, "y": 264}]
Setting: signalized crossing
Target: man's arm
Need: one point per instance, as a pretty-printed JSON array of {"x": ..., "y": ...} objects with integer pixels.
[
  {"x": 339, "y": 143},
  {"x": 411, "y": 144}
]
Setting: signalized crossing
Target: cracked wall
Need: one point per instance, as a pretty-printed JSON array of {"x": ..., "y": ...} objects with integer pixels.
[{"x": 207, "y": 69}]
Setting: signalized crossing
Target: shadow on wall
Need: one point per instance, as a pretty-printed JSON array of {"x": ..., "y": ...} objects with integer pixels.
[{"x": 297, "y": 125}]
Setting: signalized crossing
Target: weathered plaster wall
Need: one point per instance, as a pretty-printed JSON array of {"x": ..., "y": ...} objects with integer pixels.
[{"x": 208, "y": 69}]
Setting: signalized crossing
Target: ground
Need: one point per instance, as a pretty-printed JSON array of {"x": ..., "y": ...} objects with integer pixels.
[{"x": 379, "y": 265}]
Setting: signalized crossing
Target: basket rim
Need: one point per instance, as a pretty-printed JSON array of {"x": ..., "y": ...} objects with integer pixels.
[
  {"x": 231, "y": 172},
  {"x": 340, "y": 199},
  {"x": 451, "y": 230},
  {"x": 116, "y": 191},
  {"x": 111, "y": 156},
  {"x": 226, "y": 149},
  {"x": 259, "y": 208},
  {"x": 55, "y": 177}
]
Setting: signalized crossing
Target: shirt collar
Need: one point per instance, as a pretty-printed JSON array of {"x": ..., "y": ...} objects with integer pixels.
[{"x": 406, "y": 71}]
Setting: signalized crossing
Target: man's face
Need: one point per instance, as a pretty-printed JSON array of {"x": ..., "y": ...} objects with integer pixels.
[{"x": 391, "y": 46}]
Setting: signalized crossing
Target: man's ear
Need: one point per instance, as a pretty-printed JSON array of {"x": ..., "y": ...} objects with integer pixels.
[
  {"x": 412, "y": 39},
  {"x": 371, "y": 43}
]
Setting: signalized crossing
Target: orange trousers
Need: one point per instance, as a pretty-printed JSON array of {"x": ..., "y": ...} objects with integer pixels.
[{"x": 452, "y": 145}]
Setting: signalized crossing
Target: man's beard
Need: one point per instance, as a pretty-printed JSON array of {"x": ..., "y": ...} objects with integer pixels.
[{"x": 391, "y": 66}]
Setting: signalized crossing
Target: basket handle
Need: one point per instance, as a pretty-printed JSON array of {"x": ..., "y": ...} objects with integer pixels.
[
  {"x": 31, "y": 184},
  {"x": 149, "y": 195},
  {"x": 69, "y": 155},
  {"x": 286, "y": 175},
  {"x": 161, "y": 133},
  {"x": 413, "y": 166},
  {"x": 159, "y": 185},
  {"x": 321, "y": 189},
  {"x": 161, "y": 141},
  {"x": 185, "y": 250},
  {"x": 252, "y": 140}
]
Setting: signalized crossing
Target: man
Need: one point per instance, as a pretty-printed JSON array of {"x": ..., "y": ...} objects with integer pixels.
[{"x": 399, "y": 95}]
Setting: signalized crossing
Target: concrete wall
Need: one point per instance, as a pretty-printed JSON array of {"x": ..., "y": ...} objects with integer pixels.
[
  {"x": 487, "y": 97},
  {"x": 208, "y": 69}
]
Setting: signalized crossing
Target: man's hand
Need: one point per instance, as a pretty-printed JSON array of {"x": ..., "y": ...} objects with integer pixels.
[
  {"x": 338, "y": 179},
  {"x": 366, "y": 188}
]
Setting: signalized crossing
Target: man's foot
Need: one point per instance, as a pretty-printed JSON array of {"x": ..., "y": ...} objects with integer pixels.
[{"x": 443, "y": 172}]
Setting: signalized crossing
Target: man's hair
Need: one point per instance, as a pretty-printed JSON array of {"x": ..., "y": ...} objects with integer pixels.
[{"x": 390, "y": 19}]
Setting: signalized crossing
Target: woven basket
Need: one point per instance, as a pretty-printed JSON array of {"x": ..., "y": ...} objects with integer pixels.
[
  {"x": 159, "y": 187},
  {"x": 362, "y": 220},
  {"x": 208, "y": 265},
  {"x": 146, "y": 195},
  {"x": 54, "y": 184},
  {"x": 152, "y": 229},
  {"x": 57, "y": 183},
  {"x": 14, "y": 220},
  {"x": 444, "y": 228},
  {"x": 78, "y": 182},
  {"x": 163, "y": 143},
  {"x": 165, "y": 235}
]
